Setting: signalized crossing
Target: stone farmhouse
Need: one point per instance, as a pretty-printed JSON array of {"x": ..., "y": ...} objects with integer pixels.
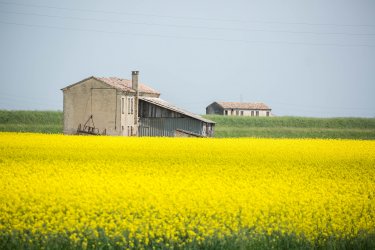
[
  {"x": 238, "y": 109},
  {"x": 115, "y": 106}
]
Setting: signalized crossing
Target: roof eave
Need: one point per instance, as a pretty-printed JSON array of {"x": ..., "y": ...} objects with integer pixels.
[{"x": 71, "y": 85}]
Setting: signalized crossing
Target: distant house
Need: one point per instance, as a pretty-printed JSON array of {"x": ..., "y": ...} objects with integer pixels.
[
  {"x": 238, "y": 109},
  {"x": 115, "y": 106}
]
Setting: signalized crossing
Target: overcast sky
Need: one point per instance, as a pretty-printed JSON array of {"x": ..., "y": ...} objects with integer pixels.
[{"x": 302, "y": 58}]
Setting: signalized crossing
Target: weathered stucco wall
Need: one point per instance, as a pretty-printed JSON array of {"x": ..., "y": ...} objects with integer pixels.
[
  {"x": 127, "y": 113},
  {"x": 91, "y": 97},
  {"x": 237, "y": 112}
]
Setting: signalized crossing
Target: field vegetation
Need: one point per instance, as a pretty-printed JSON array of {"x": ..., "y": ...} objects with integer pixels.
[
  {"x": 294, "y": 127},
  {"x": 262, "y": 127},
  {"x": 99, "y": 192},
  {"x": 31, "y": 121}
]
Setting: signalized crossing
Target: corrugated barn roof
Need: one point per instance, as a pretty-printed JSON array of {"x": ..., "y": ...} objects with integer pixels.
[{"x": 164, "y": 104}]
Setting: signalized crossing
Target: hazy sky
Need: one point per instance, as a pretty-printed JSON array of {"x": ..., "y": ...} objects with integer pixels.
[{"x": 301, "y": 57}]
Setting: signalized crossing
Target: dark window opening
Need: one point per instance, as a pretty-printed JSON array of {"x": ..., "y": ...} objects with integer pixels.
[{"x": 123, "y": 105}]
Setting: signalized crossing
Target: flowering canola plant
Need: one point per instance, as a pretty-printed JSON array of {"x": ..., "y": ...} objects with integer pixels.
[{"x": 88, "y": 192}]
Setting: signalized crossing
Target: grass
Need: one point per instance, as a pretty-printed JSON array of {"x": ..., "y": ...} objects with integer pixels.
[
  {"x": 241, "y": 241},
  {"x": 294, "y": 127},
  {"x": 31, "y": 121},
  {"x": 265, "y": 127}
]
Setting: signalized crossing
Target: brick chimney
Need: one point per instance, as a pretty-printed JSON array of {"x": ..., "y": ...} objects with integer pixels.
[
  {"x": 135, "y": 80},
  {"x": 135, "y": 86}
]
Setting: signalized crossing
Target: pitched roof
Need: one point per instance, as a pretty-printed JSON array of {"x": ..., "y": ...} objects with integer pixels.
[
  {"x": 244, "y": 105},
  {"x": 120, "y": 84},
  {"x": 126, "y": 85},
  {"x": 164, "y": 104}
]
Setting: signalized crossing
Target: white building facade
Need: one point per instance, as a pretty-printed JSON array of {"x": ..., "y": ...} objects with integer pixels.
[{"x": 238, "y": 109}]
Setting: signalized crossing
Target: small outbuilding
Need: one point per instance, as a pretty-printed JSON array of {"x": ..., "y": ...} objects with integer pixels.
[
  {"x": 238, "y": 109},
  {"x": 115, "y": 106}
]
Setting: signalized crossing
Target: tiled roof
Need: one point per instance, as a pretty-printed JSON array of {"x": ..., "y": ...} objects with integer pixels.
[
  {"x": 125, "y": 85},
  {"x": 164, "y": 104},
  {"x": 244, "y": 105}
]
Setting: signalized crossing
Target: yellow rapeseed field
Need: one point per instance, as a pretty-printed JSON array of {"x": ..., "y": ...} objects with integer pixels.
[{"x": 88, "y": 192}]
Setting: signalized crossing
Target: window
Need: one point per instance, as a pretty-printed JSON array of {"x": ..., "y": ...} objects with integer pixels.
[
  {"x": 225, "y": 112},
  {"x": 252, "y": 112},
  {"x": 122, "y": 105},
  {"x": 128, "y": 105},
  {"x": 131, "y": 105},
  {"x": 241, "y": 112},
  {"x": 129, "y": 134},
  {"x": 232, "y": 112},
  {"x": 257, "y": 113},
  {"x": 268, "y": 113}
]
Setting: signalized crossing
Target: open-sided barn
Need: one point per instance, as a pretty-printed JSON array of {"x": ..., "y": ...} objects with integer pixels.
[{"x": 115, "y": 106}]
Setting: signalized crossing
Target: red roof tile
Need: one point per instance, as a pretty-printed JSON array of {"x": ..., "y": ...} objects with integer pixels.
[
  {"x": 126, "y": 85},
  {"x": 244, "y": 105}
]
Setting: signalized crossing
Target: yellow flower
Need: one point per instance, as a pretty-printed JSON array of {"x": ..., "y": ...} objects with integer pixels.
[{"x": 147, "y": 191}]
